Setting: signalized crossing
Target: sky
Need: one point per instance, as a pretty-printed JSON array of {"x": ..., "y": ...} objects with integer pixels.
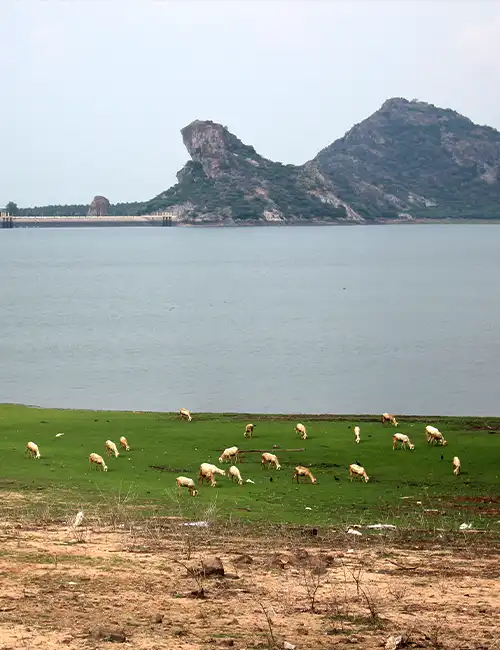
[{"x": 94, "y": 92}]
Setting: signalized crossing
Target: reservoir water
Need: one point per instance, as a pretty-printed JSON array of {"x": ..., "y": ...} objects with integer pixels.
[{"x": 361, "y": 319}]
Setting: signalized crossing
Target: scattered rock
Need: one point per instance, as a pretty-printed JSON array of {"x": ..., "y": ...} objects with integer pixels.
[
  {"x": 227, "y": 642},
  {"x": 276, "y": 562},
  {"x": 209, "y": 567},
  {"x": 301, "y": 556},
  {"x": 394, "y": 642},
  {"x": 179, "y": 631},
  {"x": 243, "y": 559},
  {"x": 329, "y": 559},
  {"x": 158, "y": 618},
  {"x": 104, "y": 634},
  {"x": 213, "y": 566},
  {"x": 288, "y": 646}
]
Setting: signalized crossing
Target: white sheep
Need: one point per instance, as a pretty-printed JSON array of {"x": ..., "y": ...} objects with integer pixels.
[
  {"x": 111, "y": 449},
  {"x": 403, "y": 439},
  {"x": 456, "y": 465},
  {"x": 301, "y": 430},
  {"x": 32, "y": 450},
  {"x": 98, "y": 461},
  {"x": 228, "y": 454},
  {"x": 207, "y": 471},
  {"x": 185, "y": 414},
  {"x": 270, "y": 460},
  {"x": 433, "y": 435},
  {"x": 357, "y": 470},
  {"x": 249, "y": 430},
  {"x": 183, "y": 481},
  {"x": 235, "y": 475},
  {"x": 357, "y": 432},
  {"x": 388, "y": 417},
  {"x": 124, "y": 443},
  {"x": 303, "y": 471}
]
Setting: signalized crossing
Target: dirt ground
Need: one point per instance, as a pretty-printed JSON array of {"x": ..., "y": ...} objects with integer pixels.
[{"x": 91, "y": 586}]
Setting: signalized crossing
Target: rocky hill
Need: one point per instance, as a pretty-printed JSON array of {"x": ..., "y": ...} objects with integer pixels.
[
  {"x": 414, "y": 158},
  {"x": 227, "y": 181},
  {"x": 407, "y": 160}
]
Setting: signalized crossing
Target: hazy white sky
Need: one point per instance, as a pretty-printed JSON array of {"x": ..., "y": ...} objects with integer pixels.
[{"x": 94, "y": 92}]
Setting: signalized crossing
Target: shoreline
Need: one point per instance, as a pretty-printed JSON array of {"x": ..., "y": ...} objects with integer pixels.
[
  {"x": 318, "y": 417},
  {"x": 152, "y": 221}
]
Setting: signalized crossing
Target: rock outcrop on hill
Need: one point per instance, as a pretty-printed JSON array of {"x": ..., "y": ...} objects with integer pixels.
[
  {"x": 227, "y": 181},
  {"x": 99, "y": 207}
]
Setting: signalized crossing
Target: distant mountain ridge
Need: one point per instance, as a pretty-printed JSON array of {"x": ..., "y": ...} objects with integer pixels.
[{"x": 408, "y": 160}]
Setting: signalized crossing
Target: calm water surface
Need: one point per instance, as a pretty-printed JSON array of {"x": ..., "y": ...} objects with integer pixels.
[{"x": 308, "y": 319}]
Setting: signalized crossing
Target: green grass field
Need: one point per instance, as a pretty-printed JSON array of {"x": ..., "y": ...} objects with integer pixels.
[{"x": 161, "y": 440}]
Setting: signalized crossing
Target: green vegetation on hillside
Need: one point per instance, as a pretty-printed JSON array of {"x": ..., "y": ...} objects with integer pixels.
[
  {"x": 448, "y": 164},
  {"x": 406, "y": 488},
  {"x": 243, "y": 192}
]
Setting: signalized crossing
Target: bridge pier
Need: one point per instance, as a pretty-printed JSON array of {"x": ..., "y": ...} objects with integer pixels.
[{"x": 7, "y": 221}]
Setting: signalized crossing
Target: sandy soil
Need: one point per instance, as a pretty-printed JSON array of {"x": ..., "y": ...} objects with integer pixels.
[{"x": 61, "y": 587}]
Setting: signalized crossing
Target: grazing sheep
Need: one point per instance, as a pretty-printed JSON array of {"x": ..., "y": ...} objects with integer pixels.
[
  {"x": 98, "y": 461},
  {"x": 124, "y": 443},
  {"x": 301, "y": 430},
  {"x": 207, "y": 471},
  {"x": 403, "y": 439},
  {"x": 269, "y": 460},
  {"x": 235, "y": 475},
  {"x": 303, "y": 471},
  {"x": 357, "y": 432},
  {"x": 111, "y": 448},
  {"x": 249, "y": 430},
  {"x": 183, "y": 481},
  {"x": 357, "y": 470},
  {"x": 434, "y": 435},
  {"x": 32, "y": 450},
  {"x": 456, "y": 465},
  {"x": 228, "y": 454},
  {"x": 387, "y": 417},
  {"x": 185, "y": 414}
]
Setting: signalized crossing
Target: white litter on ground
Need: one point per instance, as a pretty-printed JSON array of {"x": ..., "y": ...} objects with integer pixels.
[
  {"x": 58, "y": 435},
  {"x": 351, "y": 531},
  {"x": 465, "y": 526},
  {"x": 308, "y": 508},
  {"x": 195, "y": 523},
  {"x": 379, "y": 526},
  {"x": 249, "y": 480}
]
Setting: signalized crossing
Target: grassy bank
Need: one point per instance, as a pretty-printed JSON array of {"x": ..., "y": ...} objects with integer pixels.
[{"x": 406, "y": 488}]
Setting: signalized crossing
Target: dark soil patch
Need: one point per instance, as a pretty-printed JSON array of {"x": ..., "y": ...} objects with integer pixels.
[{"x": 166, "y": 468}]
